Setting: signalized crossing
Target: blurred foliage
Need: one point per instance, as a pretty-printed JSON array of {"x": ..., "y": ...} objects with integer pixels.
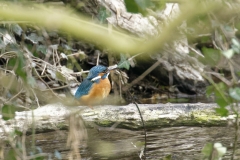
[
  {"x": 124, "y": 63},
  {"x": 8, "y": 112},
  {"x": 143, "y": 6},
  {"x": 213, "y": 151}
]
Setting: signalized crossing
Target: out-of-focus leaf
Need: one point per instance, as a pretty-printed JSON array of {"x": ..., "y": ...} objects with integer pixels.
[
  {"x": 221, "y": 102},
  {"x": 42, "y": 48},
  {"x": 215, "y": 151},
  {"x": 103, "y": 13},
  {"x": 137, "y": 6},
  {"x": 34, "y": 38},
  {"x": 81, "y": 55},
  {"x": 220, "y": 90},
  {"x": 11, "y": 155},
  {"x": 17, "y": 132},
  {"x": 228, "y": 53},
  {"x": 8, "y": 112},
  {"x": 209, "y": 90},
  {"x": 18, "y": 64},
  {"x": 221, "y": 86},
  {"x": 131, "y": 6},
  {"x": 17, "y": 29},
  {"x": 124, "y": 63},
  {"x": 207, "y": 149},
  {"x": 238, "y": 73},
  {"x": 212, "y": 56},
  {"x": 235, "y": 93},
  {"x": 222, "y": 111},
  {"x": 60, "y": 77}
]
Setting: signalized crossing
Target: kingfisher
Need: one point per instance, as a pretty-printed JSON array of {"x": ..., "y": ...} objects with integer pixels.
[{"x": 96, "y": 86}]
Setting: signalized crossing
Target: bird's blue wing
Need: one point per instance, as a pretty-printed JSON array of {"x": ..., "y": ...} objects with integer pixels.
[{"x": 84, "y": 88}]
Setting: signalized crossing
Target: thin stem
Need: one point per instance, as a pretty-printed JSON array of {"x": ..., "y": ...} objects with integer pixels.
[
  {"x": 144, "y": 129},
  {"x": 236, "y": 131}
]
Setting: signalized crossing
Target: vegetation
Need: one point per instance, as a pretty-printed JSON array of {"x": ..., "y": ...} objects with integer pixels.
[{"x": 47, "y": 48}]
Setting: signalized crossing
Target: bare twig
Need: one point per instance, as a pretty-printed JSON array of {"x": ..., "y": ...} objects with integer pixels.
[
  {"x": 13, "y": 97},
  {"x": 223, "y": 79},
  {"x": 46, "y": 84},
  {"x": 36, "y": 98},
  {"x": 142, "y": 75}
]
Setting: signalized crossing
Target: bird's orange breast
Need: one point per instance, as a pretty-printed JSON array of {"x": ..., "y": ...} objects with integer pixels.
[{"x": 98, "y": 92}]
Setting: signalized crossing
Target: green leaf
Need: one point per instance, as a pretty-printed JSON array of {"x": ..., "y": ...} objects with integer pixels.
[
  {"x": 17, "y": 132},
  {"x": 222, "y": 102},
  {"x": 11, "y": 155},
  {"x": 8, "y": 112},
  {"x": 138, "y": 6},
  {"x": 222, "y": 111},
  {"x": 207, "y": 149},
  {"x": 20, "y": 68},
  {"x": 235, "y": 93},
  {"x": 238, "y": 73},
  {"x": 209, "y": 90},
  {"x": 19, "y": 64},
  {"x": 124, "y": 63},
  {"x": 60, "y": 77},
  {"x": 221, "y": 86},
  {"x": 228, "y": 53},
  {"x": 103, "y": 13},
  {"x": 212, "y": 56},
  {"x": 131, "y": 6}
]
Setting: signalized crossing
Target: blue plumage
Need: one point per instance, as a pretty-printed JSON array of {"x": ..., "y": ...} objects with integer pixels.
[
  {"x": 87, "y": 83},
  {"x": 83, "y": 88}
]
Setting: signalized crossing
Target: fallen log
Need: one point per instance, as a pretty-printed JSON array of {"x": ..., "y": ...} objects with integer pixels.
[{"x": 53, "y": 116}]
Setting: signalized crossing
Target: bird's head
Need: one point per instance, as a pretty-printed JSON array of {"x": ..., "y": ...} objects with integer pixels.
[
  {"x": 96, "y": 71},
  {"x": 99, "y": 71}
]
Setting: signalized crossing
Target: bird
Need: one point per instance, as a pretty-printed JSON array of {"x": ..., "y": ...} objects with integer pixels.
[{"x": 95, "y": 87}]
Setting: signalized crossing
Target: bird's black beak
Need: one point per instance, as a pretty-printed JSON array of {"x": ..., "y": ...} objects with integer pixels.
[{"x": 111, "y": 68}]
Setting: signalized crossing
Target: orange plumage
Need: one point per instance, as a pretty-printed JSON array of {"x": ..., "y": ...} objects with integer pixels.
[
  {"x": 98, "y": 92},
  {"x": 95, "y": 87}
]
